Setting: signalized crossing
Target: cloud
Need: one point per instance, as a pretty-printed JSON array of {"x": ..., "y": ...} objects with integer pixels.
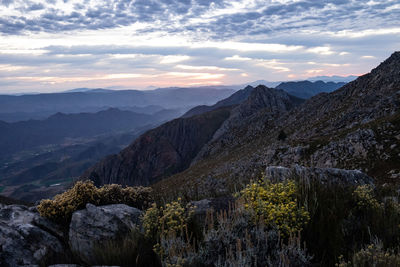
[{"x": 60, "y": 44}]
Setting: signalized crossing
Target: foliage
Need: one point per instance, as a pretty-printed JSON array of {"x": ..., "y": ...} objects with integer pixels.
[
  {"x": 61, "y": 207},
  {"x": 276, "y": 204},
  {"x": 168, "y": 226},
  {"x": 365, "y": 199},
  {"x": 232, "y": 238},
  {"x": 372, "y": 256}
]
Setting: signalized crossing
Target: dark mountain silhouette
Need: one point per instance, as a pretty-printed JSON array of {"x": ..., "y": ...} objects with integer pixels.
[{"x": 307, "y": 89}]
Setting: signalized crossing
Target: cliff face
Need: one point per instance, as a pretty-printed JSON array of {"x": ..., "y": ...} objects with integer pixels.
[{"x": 160, "y": 152}]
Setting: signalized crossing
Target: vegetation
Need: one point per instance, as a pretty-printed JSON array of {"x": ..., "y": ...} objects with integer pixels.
[
  {"x": 60, "y": 208},
  {"x": 269, "y": 224},
  {"x": 276, "y": 205}
]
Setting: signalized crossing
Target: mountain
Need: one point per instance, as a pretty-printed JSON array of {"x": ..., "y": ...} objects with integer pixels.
[
  {"x": 160, "y": 152},
  {"x": 234, "y": 99},
  {"x": 333, "y": 78},
  {"x": 354, "y": 127},
  {"x": 171, "y": 148},
  {"x": 26, "y": 135},
  {"x": 307, "y": 89},
  {"x": 42, "y": 105}
]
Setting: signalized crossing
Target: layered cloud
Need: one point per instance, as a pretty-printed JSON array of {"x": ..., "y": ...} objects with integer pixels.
[{"x": 60, "y": 44}]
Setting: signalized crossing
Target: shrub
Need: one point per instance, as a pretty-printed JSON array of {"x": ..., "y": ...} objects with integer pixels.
[
  {"x": 372, "y": 256},
  {"x": 276, "y": 204},
  {"x": 168, "y": 226},
  {"x": 61, "y": 207},
  {"x": 234, "y": 239}
]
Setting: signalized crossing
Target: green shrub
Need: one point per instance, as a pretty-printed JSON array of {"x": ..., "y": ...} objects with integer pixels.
[{"x": 60, "y": 208}]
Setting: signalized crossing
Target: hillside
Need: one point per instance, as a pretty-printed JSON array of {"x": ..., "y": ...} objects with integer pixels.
[
  {"x": 172, "y": 147},
  {"x": 160, "y": 152},
  {"x": 355, "y": 127},
  {"x": 25, "y": 135}
]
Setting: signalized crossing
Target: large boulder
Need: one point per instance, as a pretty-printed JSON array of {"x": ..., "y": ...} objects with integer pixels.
[
  {"x": 94, "y": 225},
  {"x": 323, "y": 175},
  {"x": 27, "y": 239}
]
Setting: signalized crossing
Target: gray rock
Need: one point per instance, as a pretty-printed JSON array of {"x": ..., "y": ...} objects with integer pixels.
[
  {"x": 93, "y": 225},
  {"x": 26, "y": 239},
  {"x": 324, "y": 175}
]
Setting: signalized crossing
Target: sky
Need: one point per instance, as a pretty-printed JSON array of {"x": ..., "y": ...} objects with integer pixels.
[{"x": 55, "y": 45}]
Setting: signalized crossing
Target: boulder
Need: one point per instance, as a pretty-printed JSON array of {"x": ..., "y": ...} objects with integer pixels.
[
  {"x": 324, "y": 175},
  {"x": 26, "y": 238},
  {"x": 94, "y": 225}
]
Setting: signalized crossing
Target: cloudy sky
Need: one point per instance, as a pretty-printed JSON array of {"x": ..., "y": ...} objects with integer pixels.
[{"x": 55, "y": 45}]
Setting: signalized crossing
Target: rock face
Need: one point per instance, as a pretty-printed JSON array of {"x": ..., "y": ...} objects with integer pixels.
[
  {"x": 26, "y": 238},
  {"x": 324, "y": 175},
  {"x": 262, "y": 107},
  {"x": 160, "y": 152},
  {"x": 93, "y": 225}
]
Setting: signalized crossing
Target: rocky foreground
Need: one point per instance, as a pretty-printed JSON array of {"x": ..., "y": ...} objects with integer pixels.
[{"x": 27, "y": 239}]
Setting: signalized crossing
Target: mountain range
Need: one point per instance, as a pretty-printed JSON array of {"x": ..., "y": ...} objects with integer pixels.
[{"x": 353, "y": 127}]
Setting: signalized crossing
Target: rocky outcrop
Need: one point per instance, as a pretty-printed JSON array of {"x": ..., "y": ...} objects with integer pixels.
[
  {"x": 262, "y": 107},
  {"x": 27, "y": 239},
  {"x": 160, "y": 152},
  {"x": 94, "y": 225},
  {"x": 323, "y": 175}
]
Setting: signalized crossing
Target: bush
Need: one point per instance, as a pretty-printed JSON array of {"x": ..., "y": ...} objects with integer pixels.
[
  {"x": 276, "y": 204},
  {"x": 169, "y": 227},
  {"x": 372, "y": 256},
  {"x": 234, "y": 239},
  {"x": 61, "y": 207}
]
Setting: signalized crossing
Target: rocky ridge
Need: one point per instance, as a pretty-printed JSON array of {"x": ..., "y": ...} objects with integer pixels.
[{"x": 355, "y": 127}]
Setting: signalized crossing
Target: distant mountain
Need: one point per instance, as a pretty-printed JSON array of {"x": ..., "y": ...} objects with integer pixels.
[
  {"x": 234, "y": 99},
  {"x": 265, "y": 83},
  {"x": 93, "y": 100},
  {"x": 307, "y": 89},
  {"x": 20, "y": 136},
  {"x": 333, "y": 78}
]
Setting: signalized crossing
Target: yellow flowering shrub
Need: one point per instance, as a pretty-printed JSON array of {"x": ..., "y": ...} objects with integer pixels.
[
  {"x": 165, "y": 220},
  {"x": 364, "y": 197},
  {"x": 61, "y": 207},
  {"x": 168, "y": 227},
  {"x": 276, "y": 205}
]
